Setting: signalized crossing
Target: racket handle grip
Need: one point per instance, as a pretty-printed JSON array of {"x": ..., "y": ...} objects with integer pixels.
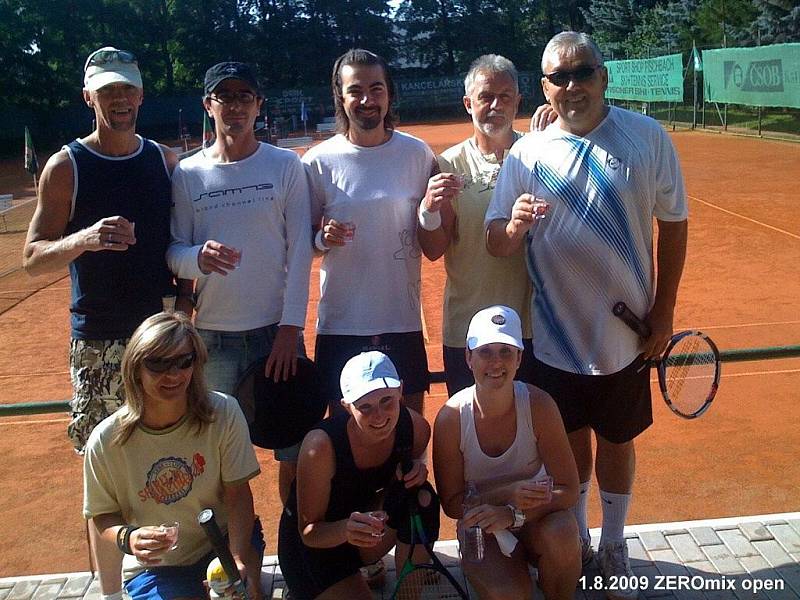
[
  {"x": 622, "y": 311},
  {"x": 209, "y": 524}
]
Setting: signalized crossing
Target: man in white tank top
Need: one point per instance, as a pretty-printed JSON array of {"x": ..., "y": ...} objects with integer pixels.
[{"x": 507, "y": 438}]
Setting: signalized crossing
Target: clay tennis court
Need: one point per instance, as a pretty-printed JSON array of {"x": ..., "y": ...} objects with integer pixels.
[{"x": 740, "y": 285}]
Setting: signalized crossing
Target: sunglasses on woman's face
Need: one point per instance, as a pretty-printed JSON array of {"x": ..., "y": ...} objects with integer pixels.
[
  {"x": 162, "y": 365},
  {"x": 562, "y": 78}
]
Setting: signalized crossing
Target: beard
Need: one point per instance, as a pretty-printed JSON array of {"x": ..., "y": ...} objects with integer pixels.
[
  {"x": 124, "y": 124},
  {"x": 367, "y": 121},
  {"x": 494, "y": 129}
]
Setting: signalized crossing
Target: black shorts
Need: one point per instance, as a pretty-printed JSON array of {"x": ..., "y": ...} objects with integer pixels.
[
  {"x": 310, "y": 571},
  {"x": 407, "y": 351},
  {"x": 617, "y": 406}
]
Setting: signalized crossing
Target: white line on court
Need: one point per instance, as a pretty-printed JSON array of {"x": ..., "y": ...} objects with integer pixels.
[
  {"x": 42, "y": 374},
  {"x": 743, "y": 374},
  {"x": 39, "y": 421},
  {"x": 735, "y": 214},
  {"x": 761, "y": 324}
]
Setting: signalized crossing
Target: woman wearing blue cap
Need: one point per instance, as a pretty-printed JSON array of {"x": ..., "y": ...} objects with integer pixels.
[
  {"x": 507, "y": 438},
  {"x": 334, "y": 522}
]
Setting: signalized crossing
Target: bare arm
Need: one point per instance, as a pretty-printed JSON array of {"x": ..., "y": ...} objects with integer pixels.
[
  {"x": 670, "y": 258},
  {"x": 238, "y": 500},
  {"x": 315, "y": 470},
  {"x": 448, "y": 462},
  {"x": 170, "y": 157},
  {"x": 147, "y": 543},
  {"x": 46, "y": 248}
]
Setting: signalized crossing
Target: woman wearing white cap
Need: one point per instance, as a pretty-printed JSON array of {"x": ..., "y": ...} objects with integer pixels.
[
  {"x": 508, "y": 438},
  {"x": 332, "y": 524}
]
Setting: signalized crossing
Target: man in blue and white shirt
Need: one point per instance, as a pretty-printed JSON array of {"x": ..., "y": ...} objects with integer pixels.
[{"x": 598, "y": 177}]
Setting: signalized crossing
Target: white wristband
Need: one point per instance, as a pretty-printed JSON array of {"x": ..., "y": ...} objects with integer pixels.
[
  {"x": 114, "y": 596},
  {"x": 429, "y": 221},
  {"x": 319, "y": 242}
]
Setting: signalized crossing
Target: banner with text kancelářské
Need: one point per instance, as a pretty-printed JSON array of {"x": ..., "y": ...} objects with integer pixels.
[
  {"x": 762, "y": 76},
  {"x": 657, "y": 79}
]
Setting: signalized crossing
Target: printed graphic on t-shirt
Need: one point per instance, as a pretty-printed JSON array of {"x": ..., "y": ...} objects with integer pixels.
[
  {"x": 171, "y": 478},
  {"x": 234, "y": 197}
]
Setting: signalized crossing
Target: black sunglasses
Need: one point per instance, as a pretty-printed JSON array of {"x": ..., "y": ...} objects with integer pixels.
[
  {"x": 102, "y": 57},
  {"x": 562, "y": 78},
  {"x": 162, "y": 365},
  {"x": 231, "y": 97}
]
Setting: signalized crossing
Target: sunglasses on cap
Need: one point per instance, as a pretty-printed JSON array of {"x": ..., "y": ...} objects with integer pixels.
[
  {"x": 102, "y": 57},
  {"x": 562, "y": 78},
  {"x": 162, "y": 365}
]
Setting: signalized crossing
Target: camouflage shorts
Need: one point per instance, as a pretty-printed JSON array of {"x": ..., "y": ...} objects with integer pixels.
[{"x": 95, "y": 370}]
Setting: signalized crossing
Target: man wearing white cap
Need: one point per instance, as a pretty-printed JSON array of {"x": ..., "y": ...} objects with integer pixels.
[
  {"x": 92, "y": 194},
  {"x": 506, "y": 437},
  {"x": 335, "y": 520}
]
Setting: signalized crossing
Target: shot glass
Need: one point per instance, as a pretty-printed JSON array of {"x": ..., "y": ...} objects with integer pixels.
[
  {"x": 171, "y": 528},
  {"x": 546, "y": 484},
  {"x": 349, "y": 231},
  {"x": 540, "y": 209},
  {"x": 382, "y": 517},
  {"x": 237, "y": 257}
]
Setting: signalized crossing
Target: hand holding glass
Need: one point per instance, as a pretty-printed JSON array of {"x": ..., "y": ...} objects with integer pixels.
[{"x": 171, "y": 528}]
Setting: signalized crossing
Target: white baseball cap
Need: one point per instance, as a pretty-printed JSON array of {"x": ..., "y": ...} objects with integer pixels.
[
  {"x": 366, "y": 372},
  {"x": 109, "y": 65},
  {"x": 495, "y": 325}
]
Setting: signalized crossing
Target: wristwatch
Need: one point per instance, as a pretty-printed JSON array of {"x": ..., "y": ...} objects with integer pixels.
[{"x": 519, "y": 516}]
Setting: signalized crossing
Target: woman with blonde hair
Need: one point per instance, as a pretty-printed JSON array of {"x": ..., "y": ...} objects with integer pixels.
[{"x": 171, "y": 451}]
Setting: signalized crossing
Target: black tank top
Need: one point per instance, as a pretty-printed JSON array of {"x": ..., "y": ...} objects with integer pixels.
[
  {"x": 113, "y": 292},
  {"x": 354, "y": 489}
]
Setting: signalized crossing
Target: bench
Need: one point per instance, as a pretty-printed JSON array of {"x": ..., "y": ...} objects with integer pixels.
[
  {"x": 325, "y": 127},
  {"x": 295, "y": 142}
]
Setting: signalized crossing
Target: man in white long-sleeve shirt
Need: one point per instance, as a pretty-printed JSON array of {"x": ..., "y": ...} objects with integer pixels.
[{"x": 240, "y": 226}]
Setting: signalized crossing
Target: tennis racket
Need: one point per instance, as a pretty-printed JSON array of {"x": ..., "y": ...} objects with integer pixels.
[
  {"x": 223, "y": 552},
  {"x": 688, "y": 371},
  {"x": 426, "y": 581}
]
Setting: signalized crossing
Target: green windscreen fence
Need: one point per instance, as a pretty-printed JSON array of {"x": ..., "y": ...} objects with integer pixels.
[
  {"x": 762, "y": 76},
  {"x": 657, "y": 79}
]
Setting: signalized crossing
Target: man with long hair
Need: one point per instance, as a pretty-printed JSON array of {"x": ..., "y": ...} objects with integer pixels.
[{"x": 366, "y": 183}]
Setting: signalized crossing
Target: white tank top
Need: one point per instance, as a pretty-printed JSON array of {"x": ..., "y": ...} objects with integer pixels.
[{"x": 520, "y": 461}]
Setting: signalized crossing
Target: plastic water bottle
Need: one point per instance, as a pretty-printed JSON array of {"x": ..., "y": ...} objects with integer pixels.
[{"x": 471, "y": 538}]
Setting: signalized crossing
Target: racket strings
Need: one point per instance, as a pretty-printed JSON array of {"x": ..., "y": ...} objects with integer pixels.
[
  {"x": 426, "y": 583},
  {"x": 690, "y": 373}
]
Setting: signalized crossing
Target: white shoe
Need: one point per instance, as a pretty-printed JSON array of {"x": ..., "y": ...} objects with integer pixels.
[{"x": 616, "y": 570}]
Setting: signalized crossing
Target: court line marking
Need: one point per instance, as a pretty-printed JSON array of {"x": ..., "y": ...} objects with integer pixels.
[
  {"x": 755, "y": 324},
  {"x": 735, "y": 214},
  {"x": 44, "y": 289},
  {"x": 42, "y": 374},
  {"x": 742, "y": 374},
  {"x": 39, "y": 421}
]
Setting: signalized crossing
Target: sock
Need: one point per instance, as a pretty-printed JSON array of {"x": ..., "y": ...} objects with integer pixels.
[
  {"x": 579, "y": 510},
  {"x": 615, "y": 511}
]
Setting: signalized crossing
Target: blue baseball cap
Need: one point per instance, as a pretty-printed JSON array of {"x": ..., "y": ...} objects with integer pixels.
[{"x": 366, "y": 372}]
